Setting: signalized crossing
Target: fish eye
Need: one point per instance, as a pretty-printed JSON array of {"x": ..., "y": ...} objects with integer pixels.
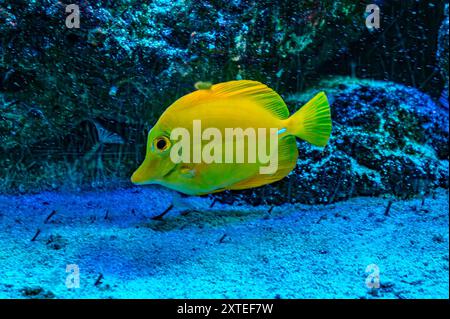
[{"x": 161, "y": 143}]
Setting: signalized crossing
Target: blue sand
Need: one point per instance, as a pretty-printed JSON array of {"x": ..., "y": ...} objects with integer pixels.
[{"x": 295, "y": 251}]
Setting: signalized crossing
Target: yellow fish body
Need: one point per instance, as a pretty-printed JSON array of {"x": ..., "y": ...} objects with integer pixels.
[{"x": 236, "y": 106}]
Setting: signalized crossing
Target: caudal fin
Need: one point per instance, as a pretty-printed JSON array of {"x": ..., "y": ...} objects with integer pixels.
[{"x": 312, "y": 122}]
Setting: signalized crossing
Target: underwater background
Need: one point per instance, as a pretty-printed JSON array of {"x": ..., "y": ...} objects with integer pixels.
[{"x": 366, "y": 217}]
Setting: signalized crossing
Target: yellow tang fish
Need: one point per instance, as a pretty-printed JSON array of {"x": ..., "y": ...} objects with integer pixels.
[{"x": 198, "y": 144}]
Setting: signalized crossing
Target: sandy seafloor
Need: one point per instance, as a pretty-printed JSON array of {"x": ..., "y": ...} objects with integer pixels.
[{"x": 295, "y": 251}]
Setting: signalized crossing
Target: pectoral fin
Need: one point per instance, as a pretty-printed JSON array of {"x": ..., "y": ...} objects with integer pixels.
[{"x": 188, "y": 170}]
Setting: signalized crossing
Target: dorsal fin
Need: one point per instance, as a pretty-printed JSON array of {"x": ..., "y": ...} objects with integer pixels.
[
  {"x": 256, "y": 92},
  {"x": 260, "y": 93}
]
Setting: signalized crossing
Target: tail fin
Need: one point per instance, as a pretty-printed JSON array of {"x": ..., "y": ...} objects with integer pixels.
[{"x": 312, "y": 122}]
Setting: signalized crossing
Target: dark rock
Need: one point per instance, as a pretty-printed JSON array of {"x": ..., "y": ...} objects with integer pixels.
[
  {"x": 442, "y": 55},
  {"x": 36, "y": 293},
  {"x": 387, "y": 286},
  {"x": 56, "y": 242},
  {"x": 130, "y": 60},
  {"x": 438, "y": 239},
  {"x": 127, "y": 62}
]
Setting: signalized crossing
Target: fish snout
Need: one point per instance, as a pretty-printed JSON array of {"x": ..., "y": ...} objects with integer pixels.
[
  {"x": 136, "y": 178},
  {"x": 141, "y": 175}
]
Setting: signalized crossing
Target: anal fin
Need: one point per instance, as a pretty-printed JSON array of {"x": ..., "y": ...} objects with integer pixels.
[{"x": 287, "y": 159}]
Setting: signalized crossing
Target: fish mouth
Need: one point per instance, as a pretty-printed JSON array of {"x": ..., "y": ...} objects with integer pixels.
[
  {"x": 170, "y": 171},
  {"x": 141, "y": 176},
  {"x": 138, "y": 178}
]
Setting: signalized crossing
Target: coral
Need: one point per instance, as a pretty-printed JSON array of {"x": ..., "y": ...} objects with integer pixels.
[
  {"x": 442, "y": 55},
  {"x": 64, "y": 91},
  {"x": 127, "y": 62}
]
